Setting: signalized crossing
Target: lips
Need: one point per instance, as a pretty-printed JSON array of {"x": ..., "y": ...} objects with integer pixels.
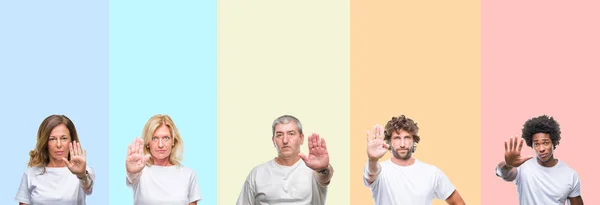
[
  {"x": 543, "y": 155},
  {"x": 59, "y": 152}
]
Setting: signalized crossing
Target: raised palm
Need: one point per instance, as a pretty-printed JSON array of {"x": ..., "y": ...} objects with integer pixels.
[
  {"x": 77, "y": 162},
  {"x": 376, "y": 146},
  {"x": 136, "y": 160},
  {"x": 318, "y": 157},
  {"x": 512, "y": 152}
]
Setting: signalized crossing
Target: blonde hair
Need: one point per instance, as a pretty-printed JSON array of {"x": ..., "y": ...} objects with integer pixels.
[
  {"x": 40, "y": 156},
  {"x": 176, "y": 155}
]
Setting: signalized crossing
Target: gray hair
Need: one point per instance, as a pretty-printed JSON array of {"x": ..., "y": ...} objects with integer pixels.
[{"x": 284, "y": 119}]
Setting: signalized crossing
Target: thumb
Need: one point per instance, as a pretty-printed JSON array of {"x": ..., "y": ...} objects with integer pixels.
[
  {"x": 66, "y": 161},
  {"x": 303, "y": 157},
  {"x": 386, "y": 146},
  {"x": 146, "y": 158},
  {"x": 524, "y": 159}
]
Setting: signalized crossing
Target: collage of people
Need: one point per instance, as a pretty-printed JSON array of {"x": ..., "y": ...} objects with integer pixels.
[{"x": 223, "y": 102}]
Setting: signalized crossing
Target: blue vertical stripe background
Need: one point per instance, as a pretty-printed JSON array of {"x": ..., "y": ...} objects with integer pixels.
[
  {"x": 53, "y": 60},
  {"x": 163, "y": 61}
]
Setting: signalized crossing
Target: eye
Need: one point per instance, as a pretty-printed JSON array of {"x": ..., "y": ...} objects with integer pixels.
[
  {"x": 546, "y": 143},
  {"x": 278, "y": 135},
  {"x": 52, "y": 139},
  {"x": 167, "y": 138},
  {"x": 154, "y": 138}
]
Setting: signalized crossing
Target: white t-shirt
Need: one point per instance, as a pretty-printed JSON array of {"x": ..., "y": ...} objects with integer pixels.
[
  {"x": 165, "y": 185},
  {"x": 56, "y": 186},
  {"x": 416, "y": 184},
  {"x": 537, "y": 184},
  {"x": 271, "y": 183}
]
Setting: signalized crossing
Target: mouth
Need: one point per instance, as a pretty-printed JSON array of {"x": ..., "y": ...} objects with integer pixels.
[
  {"x": 59, "y": 152},
  {"x": 161, "y": 151},
  {"x": 543, "y": 155}
]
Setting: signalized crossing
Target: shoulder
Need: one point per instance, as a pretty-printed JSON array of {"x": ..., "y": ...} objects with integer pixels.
[
  {"x": 32, "y": 171},
  {"x": 567, "y": 169}
]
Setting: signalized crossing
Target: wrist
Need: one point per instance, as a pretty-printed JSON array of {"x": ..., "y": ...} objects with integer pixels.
[
  {"x": 373, "y": 159},
  {"x": 325, "y": 171},
  {"x": 82, "y": 176}
]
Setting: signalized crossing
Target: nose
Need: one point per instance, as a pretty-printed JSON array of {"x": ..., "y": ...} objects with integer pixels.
[
  {"x": 59, "y": 144},
  {"x": 161, "y": 144},
  {"x": 542, "y": 149},
  {"x": 402, "y": 143},
  {"x": 285, "y": 139}
]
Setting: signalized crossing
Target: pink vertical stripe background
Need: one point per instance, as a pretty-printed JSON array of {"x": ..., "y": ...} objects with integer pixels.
[{"x": 541, "y": 57}]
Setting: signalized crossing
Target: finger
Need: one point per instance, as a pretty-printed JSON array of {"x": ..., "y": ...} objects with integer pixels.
[
  {"x": 323, "y": 145},
  {"x": 516, "y": 141},
  {"x": 129, "y": 150},
  {"x": 84, "y": 154},
  {"x": 318, "y": 139},
  {"x": 71, "y": 152},
  {"x": 310, "y": 143},
  {"x": 505, "y": 146},
  {"x": 380, "y": 131},
  {"x": 368, "y": 137},
  {"x": 315, "y": 139},
  {"x": 520, "y": 145},
  {"x": 140, "y": 149},
  {"x": 66, "y": 162},
  {"x": 303, "y": 157},
  {"x": 134, "y": 146},
  {"x": 510, "y": 144},
  {"x": 78, "y": 149},
  {"x": 146, "y": 158},
  {"x": 527, "y": 158},
  {"x": 377, "y": 133}
]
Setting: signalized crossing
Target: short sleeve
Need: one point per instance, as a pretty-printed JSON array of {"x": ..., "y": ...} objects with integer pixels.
[
  {"x": 24, "y": 193},
  {"x": 443, "y": 187},
  {"x": 194, "y": 190},
  {"x": 576, "y": 190}
]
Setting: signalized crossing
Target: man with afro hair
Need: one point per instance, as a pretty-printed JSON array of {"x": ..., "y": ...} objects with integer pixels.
[{"x": 545, "y": 179}]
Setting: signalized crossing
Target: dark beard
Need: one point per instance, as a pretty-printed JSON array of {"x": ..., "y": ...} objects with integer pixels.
[{"x": 408, "y": 155}]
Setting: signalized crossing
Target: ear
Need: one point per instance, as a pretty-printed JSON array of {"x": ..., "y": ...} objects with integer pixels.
[
  {"x": 301, "y": 139},
  {"x": 273, "y": 141}
]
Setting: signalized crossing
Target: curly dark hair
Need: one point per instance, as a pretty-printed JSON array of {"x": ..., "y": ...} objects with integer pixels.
[
  {"x": 541, "y": 124},
  {"x": 401, "y": 123}
]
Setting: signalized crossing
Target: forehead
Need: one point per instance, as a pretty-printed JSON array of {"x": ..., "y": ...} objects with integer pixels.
[
  {"x": 541, "y": 136},
  {"x": 286, "y": 127},
  {"x": 162, "y": 130},
  {"x": 59, "y": 130},
  {"x": 401, "y": 133}
]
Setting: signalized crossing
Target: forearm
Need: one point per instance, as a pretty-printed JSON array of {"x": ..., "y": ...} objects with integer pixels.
[
  {"x": 324, "y": 177},
  {"x": 133, "y": 177},
  {"x": 506, "y": 172},
  {"x": 86, "y": 181},
  {"x": 373, "y": 170}
]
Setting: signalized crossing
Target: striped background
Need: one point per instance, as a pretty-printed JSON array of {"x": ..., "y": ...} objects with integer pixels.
[{"x": 469, "y": 72}]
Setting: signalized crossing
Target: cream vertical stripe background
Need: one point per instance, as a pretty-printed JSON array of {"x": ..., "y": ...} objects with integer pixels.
[{"x": 275, "y": 58}]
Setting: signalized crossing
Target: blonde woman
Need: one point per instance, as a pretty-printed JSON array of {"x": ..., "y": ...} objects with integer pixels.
[
  {"x": 57, "y": 172},
  {"x": 154, "y": 169}
]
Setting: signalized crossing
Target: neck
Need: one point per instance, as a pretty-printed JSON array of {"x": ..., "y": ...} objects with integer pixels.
[
  {"x": 162, "y": 162},
  {"x": 56, "y": 163},
  {"x": 287, "y": 161},
  {"x": 550, "y": 163},
  {"x": 403, "y": 162}
]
